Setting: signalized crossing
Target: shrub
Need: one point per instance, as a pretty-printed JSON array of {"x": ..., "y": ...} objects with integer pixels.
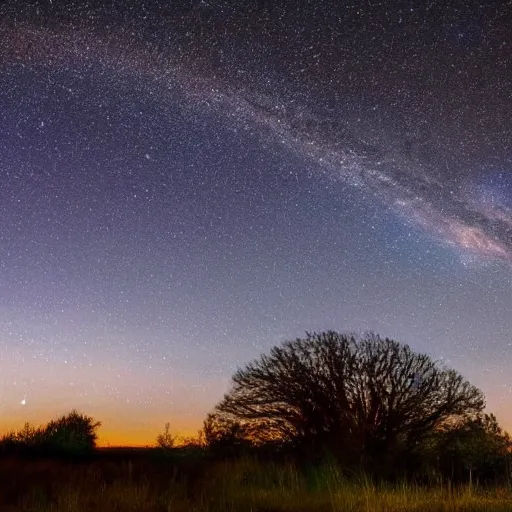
[
  {"x": 71, "y": 434},
  {"x": 166, "y": 440}
]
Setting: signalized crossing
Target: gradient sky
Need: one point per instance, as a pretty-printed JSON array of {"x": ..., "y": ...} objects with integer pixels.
[{"x": 185, "y": 184}]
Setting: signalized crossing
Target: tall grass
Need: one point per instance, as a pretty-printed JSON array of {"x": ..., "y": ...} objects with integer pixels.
[{"x": 237, "y": 486}]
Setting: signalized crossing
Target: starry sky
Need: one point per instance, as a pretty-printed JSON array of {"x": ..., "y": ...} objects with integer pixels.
[{"x": 185, "y": 184}]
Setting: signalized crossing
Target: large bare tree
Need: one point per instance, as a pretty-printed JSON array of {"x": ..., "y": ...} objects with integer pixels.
[{"x": 366, "y": 397}]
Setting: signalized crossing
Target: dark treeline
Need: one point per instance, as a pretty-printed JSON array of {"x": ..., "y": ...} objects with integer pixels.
[{"x": 370, "y": 404}]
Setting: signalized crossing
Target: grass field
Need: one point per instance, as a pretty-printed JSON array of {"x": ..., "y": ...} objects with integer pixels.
[{"x": 141, "y": 483}]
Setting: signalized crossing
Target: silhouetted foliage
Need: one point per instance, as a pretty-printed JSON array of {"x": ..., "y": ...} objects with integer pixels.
[
  {"x": 474, "y": 448},
  {"x": 71, "y": 435},
  {"x": 365, "y": 400},
  {"x": 193, "y": 442},
  {"x": 23, "y": 441},
  {"x": 224, "y": 434},
  {"x": 166, "y": 440}
]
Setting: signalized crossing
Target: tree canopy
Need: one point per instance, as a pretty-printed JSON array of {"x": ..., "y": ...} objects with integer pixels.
[
  {"x": 367, "y": 398},
  {"x": 475, "y": 445}
]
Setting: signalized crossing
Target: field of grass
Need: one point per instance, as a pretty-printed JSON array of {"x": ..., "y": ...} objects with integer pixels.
[{"x": 145, "y": 484}]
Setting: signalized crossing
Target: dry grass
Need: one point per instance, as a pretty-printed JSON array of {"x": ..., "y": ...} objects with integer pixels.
[{"x": 149, "y": 486}]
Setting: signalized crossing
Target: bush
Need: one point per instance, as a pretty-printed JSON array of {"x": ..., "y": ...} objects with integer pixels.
[
  {"x": 166, "y": 441},
  {"x": 73, "y": 435}
]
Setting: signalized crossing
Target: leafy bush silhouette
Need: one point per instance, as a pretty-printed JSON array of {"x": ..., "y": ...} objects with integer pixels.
[
  {"x": 225, "y": 435},
  {"x": 23, "y": 442},
  {"x": 71, "y": 435},
  {"x": 474, "y": 448}
]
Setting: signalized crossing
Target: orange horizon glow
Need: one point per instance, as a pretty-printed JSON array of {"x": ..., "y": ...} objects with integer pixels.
[
  {"x": 143, "y": 439},
  {"x": 110, "y": 435},
  {"x": 137, "y": 423}
]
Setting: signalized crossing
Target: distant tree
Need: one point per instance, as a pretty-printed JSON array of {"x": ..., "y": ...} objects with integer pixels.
[
  {"x": 193, "y": 442},
  {"x": 71, "y": 434},
  {"x": 22, "y": 441},
  {"x": 166, "y": 440},
  {"x": 474, "y": 448},
  {"x": 29, "y": 435},
  {"x": 224, "y": 434},
  {"x": 367, "y": 399}
]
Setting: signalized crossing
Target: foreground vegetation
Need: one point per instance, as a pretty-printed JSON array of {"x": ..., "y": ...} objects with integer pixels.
[
  {"x": 146, "y": 484},
  {"x": 399, "y": 432}
]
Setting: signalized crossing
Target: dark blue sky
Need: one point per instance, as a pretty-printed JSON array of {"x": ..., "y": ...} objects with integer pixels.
[{"x": 181, "y": 189}]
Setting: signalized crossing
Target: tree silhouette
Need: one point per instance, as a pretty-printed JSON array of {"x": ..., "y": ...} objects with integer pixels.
[
  {"x": 222, "y": 433},
  {"x": 166, "y": 440},
  {"x": 71, "y": 434},
  {"x": 474, "y": 447},
  {"x": 366, "y": 398}
]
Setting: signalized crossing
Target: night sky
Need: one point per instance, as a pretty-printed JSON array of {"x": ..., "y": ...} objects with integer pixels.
[{"x": 185, "y": 184}]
